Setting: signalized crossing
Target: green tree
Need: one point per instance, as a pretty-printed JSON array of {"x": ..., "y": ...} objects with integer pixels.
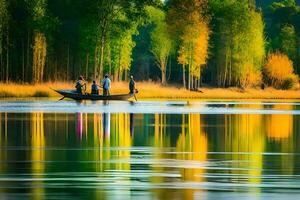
[
  {"x": 286, "y": 41},
  {"x": 283, "y": 29},
  {"x": 3, "y": 37},
  {"x": 108, "y": 12},
  {"x": 120, "y": 48},
  {"x": 238, "y": 44},
  {"x": 161, "y": 43}
]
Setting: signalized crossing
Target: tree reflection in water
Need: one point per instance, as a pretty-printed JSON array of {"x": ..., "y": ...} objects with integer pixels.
[
  {"x": 165, "y": 156},
  {"x": 37, "y": 155}
]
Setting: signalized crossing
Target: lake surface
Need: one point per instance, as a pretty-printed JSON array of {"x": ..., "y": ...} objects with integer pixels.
[{"x": 149, "y": 150}]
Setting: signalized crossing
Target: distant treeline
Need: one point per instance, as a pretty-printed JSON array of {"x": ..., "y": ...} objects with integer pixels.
[{"x": 222, "y": 43}]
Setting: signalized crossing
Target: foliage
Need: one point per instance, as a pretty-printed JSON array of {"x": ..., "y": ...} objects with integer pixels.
[
  {"x": 190, "y": 29},
  {"x": 107, "y": 14},
  {"x": 38, "y": 10},
  {"x": 279, "y": 71},
  {"x": 120, "y": 47},
  {"x": 39, "y": 57},
  {"x": 238, "y": 44},
  {"x": 42, "y": 40},
  {"x": 283, "y": 17},
  {"x": 286, "y": 41},
  {"x": 193, "y": 50},
  {"x": 3, "y": 21},
  {"x": 3, "y": 33},
  {"x": 121, "y": 52},
  {"x": 292, "y": 81},
  {"x": 160, "y": 40}
]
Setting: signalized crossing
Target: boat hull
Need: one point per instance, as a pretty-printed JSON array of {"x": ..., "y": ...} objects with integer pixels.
[{"x": 75, "y": 96}]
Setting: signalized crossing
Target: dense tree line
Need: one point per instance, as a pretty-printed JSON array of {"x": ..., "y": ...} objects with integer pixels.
[{"x": 188, "y": 42}]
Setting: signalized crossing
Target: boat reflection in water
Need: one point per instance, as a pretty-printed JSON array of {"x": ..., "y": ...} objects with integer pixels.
[{"x": 160, "y": 156}]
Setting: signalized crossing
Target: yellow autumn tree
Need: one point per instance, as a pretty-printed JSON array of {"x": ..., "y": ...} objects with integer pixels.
[
  {"x": 190, "y": 29},
  {"x": 193, "y": 51},
  {"x": 279, "y": 71},
  {"x": 39, "y": 56},
  {"x": 38, "y": 8}
]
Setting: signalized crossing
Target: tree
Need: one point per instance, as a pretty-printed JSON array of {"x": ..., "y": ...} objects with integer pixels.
[
  {"x": 38, "y": 14},
  {"x": 121, "y": 46},
  {"x": 286, "y": 41},
  {"x": 107, "y": 12},
  {"x": 42, "y": 24},
  {"x": 161, "y": 43},
  {"x": 3, "y": 33},
  {"x": 279, "y": 71},
  {"x": 283, "y": 29},
  {"x": 193, "y": 51},
  {"x": 238, "y": 40},
  {"x": 189, "y": 28}
]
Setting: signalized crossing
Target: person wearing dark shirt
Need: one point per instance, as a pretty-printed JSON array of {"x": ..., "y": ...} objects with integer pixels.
[
  {"x": 80, "y": 85},
  {"x": 131, "y": 85},
  {"x": 95, "y": 88}
]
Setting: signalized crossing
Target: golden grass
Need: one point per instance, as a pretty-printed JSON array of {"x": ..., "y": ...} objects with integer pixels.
[
  {"x": 29, "y": 90},
  {"x": 149, "y": 90}
]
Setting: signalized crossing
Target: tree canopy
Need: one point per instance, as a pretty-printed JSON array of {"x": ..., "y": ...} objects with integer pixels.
[{"x": 220, "y": 43}]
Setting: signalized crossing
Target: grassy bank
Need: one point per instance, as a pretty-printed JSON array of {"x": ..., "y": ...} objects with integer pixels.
[{"x": 150, "y": 91}]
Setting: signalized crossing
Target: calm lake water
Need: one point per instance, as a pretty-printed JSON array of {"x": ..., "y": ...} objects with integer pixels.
[{"x": 149, "y": 150}]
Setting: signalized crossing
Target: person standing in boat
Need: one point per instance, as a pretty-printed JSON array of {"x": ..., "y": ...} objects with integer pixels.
[
  {"x": 80, "y": 85},
  {"x": 95, "y": 88},
  {"x": 106, "y": 85},
  {"x": 131, "y": 85}
]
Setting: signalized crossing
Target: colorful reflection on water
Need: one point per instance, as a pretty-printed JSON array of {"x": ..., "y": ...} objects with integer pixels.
[{"x": 151, "y": 156}]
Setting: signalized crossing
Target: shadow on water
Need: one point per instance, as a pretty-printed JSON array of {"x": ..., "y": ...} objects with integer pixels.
[{"x": 160, "y": 156}]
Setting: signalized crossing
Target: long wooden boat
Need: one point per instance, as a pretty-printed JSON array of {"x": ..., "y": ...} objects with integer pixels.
[{"x": 76, "y": 96}]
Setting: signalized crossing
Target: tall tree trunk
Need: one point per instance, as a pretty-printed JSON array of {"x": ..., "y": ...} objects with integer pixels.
[
  {"x": 23, "y": 61},
  {"x": 1, "y": 67},
  {"x": 110, "y": 68},
  {"x": 192, "y": 82},
  {"x": 183, "y": 76},
  {"x": 119, "y": 60},
  {"x": 189, "y": 76},
  {"x": 95, "y": 63},
  {"x": 125, "y": 74},
  {"x": 120, "y": 74},
  {"x": 163, "y": 69},
  {"x": 27, "y": 54},
  {"x": 230, "y": 70},
  {"x": 7, "y": 56},
  {"x": 87, "y": 65},
  {"x": 39, "y": 57},
  {"x": 224, "y": 74},
  {"x": 102, "y": 45},
  {"x": 68, "y": 61},
  {"x": 55, "y": 75},
  {"x": 1, "y": 56},
  {"x": 163, "y": 76}
]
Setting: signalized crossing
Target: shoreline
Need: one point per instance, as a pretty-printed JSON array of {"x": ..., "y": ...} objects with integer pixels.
[{"x": 152, "y": 91}]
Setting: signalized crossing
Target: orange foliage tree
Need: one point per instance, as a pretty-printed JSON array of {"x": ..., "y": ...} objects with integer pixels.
[{"x": 279, "y": 71}]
